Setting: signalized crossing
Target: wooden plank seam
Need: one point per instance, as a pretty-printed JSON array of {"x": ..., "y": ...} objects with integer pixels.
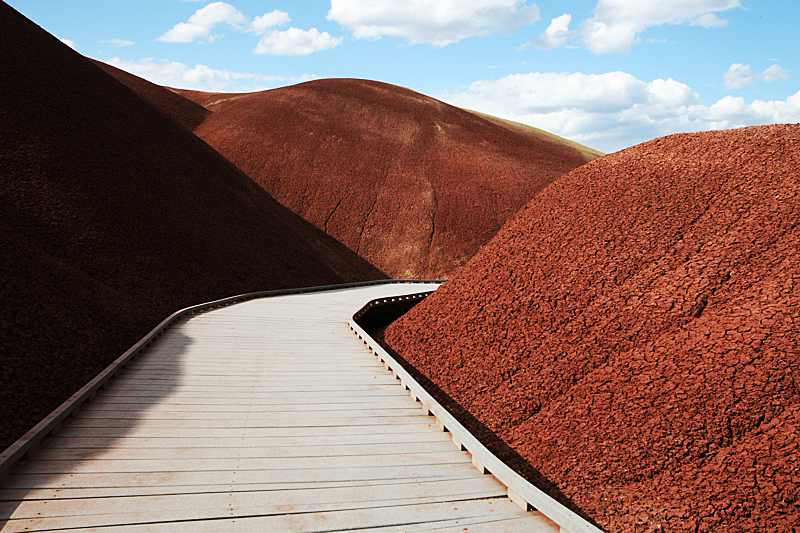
[
  {"x": 520, "y": 491},
  {"x": 31, "y": 440}
]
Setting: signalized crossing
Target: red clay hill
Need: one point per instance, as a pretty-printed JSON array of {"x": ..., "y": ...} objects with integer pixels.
[
  {"x": 112, "y": 216},
  {"x": 633, "y": 333},
  {"x": 182, "y": 110},
  {"x": 413, "y": 185}
]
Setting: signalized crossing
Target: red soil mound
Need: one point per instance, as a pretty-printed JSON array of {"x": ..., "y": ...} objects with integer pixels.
[
  {"x": 205, "y": 99},
  {"x": 413, "y": 185},
  {"x": 182, "y": 110},
  {"x": 633, "y": 333},
  {"x": 112, "y": 217}
]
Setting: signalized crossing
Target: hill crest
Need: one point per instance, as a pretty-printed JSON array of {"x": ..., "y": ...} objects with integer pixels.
[
  {"x": 113, "y": 216},
  {"x": 412, "y": 184},
  {"x": 632, "y": 333}
]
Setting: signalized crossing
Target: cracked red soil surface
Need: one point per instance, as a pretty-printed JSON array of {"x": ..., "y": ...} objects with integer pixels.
[
  {"x": 112, "y": 216},
  {"x": 633, "y": 333},
  {"x": 413, "y": 185}
]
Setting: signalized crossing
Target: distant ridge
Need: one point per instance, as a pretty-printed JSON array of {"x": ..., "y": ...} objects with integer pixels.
[
  {"x": 112, "y": 216},
  {"x": 634, "y": 334},
  {"x": 413, "y": 185},
  {"x": 180, "y": 109},
  {"x": 590, "y": 153}
]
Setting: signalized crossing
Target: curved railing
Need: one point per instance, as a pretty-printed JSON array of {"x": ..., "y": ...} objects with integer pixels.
[
  {"x": 31, "y": 440},
  {"x": 520, "y": 491}
]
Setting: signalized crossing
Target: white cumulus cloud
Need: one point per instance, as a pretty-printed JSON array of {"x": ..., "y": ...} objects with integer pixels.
[
  {"x": 774, "y": 73},
  {"x": 68, "y": 42},
  {"x": 617, "y": 24},
  {"x": 295, "y": 42},
  {"x": 709, "y": 20},
  {"x": 199, "y": 77},
  {"x": 268, "y": 21},
  {"x": 545, "y": 92},
  {"x": 303, "y": 78},
  {"x": 202, "y": 22},
  {"x": 556, "y": 34},
  {"x": 436, "y": 22},
  {"x": 739, "y": 76},
  {"x": 614, "y": 110},
  {"x": 290, "y": 42}
]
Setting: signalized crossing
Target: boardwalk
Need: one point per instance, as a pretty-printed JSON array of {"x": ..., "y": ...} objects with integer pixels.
[{"x": 268, "y": 415}]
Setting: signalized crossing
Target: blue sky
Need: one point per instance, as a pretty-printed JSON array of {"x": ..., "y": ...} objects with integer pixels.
[{"x": 606, "y": 73}]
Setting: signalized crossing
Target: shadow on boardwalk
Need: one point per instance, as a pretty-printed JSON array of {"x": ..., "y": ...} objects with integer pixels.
[{"x": 57, "y": 471}]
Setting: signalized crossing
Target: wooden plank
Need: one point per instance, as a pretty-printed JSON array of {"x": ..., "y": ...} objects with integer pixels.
[
  {"x": 272, "y": 422},
  {"x": 238, "y": 367},
  {"x": 236, "y": 477},
  {"x": 212, "y": 371},
  {"x": 262, "y": 363},
  {"x": 253, "y": 381},
  {"x": 235, "y": 441},
  {"x": 535, "y": 523},
  {"x": 299, "y": 517},
  {"x": 297, "y": 388},
  {"x": 424, "y": 517},
  {"x": 167, "y": 389},
  {"x": 265, "y": 463},
  {"x": 213, "y": 504},
  {"x": 299, "y": 400},
  {"x": 68, "y": 493},
  {"x": 172, "y": 412},
  {"x": 251, "y": 432},
  {"x": 144, "y": 396},
  {"x": 50, "y": 453},
  {"x": 241, "y": 419},
  {"x": 255, "y": 408}
]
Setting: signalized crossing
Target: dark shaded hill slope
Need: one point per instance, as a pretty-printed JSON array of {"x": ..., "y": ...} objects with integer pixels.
[
  {"x": 112, "y": 217},
  {"x": 633, "y": 333},
  {"x": 182, "y": 110},
  {"x": 413, "y": 185}
]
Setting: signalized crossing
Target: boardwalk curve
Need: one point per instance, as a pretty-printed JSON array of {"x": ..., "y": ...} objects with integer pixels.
[{"x": 268, "y": 415}]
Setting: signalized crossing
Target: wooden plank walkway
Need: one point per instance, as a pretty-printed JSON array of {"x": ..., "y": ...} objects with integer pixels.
[{"x": 269, "y": 415}]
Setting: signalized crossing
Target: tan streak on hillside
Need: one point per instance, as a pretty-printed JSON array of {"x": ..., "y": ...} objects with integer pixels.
[{"x": 413, "y": 185}]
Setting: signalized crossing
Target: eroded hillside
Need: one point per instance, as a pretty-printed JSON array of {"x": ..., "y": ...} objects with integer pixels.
[
  {"x": 112, "y": 216},
  {"x": 411, "y": 184},
  {"x": 633, "y": 333}
]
